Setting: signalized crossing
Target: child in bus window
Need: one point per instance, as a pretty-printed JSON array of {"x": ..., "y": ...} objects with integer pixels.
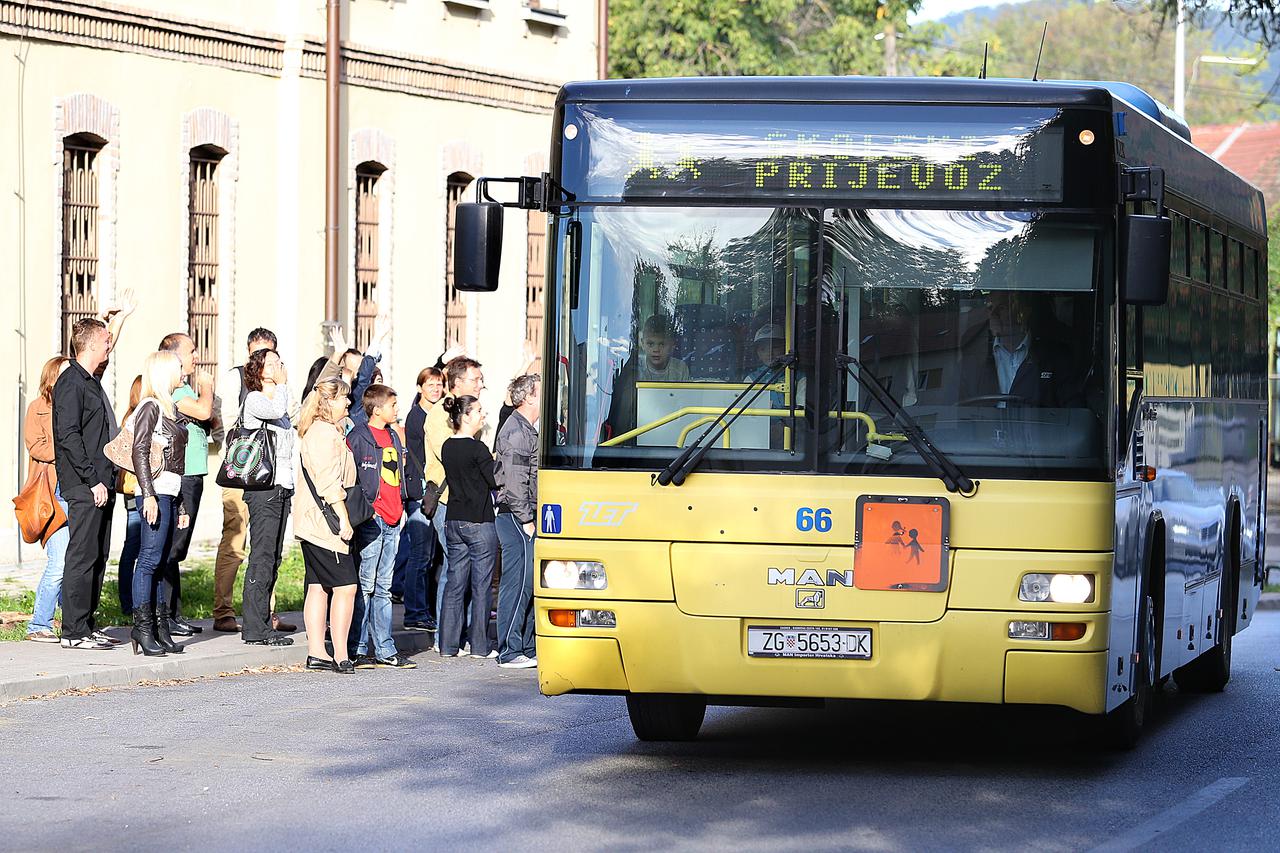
[{"x": 657, "y": 342}]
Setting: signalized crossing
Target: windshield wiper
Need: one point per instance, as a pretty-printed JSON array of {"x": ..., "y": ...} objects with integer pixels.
[
  {"x": 680, "y": 467},
  {"x": 941, "y": 465}
]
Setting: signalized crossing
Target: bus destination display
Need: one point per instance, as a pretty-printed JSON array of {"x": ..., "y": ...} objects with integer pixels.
[{"x": 1000, "y": 163}]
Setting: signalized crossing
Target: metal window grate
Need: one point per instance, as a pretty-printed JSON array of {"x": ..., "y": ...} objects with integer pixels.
[
  {"x": 455, "y": 308},
  {"x": 79, "y": 234},
  {"x": 202, "y": 260},
  {"x": 366, "y": 293},
  {"x": 535, "y": 279}
]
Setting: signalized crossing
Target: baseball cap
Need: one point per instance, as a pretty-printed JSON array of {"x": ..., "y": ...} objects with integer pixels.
[{"x": 770, "y": 332}]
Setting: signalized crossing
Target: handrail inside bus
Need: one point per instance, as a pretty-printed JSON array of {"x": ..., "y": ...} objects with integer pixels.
[{"x": 873, "y": 436}]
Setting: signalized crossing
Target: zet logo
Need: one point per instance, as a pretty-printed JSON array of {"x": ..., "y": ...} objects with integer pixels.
[
  {"x": 551, "y": 518},
  {"x": 603, "y": 514}
]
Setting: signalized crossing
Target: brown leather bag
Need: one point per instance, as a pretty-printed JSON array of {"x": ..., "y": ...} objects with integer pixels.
[
  {"x": 38, "y": 511},
  {"x": 119, "y": 451}
]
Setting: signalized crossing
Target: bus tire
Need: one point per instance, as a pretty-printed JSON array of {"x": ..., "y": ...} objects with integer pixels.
[
  {"x": 664, "y": 717},
  {"x": 1210, "y": 672},
  {"x": 1122, "y": 727}
]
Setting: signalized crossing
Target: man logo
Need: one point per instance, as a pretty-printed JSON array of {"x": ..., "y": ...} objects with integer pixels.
[
  {"x": 603, "y": 514},
  {"x": 812, "y": 599}
]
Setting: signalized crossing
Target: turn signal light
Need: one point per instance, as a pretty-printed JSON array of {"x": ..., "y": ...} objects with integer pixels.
[
  {"x": 563, "y": 618},
  {"x": 1066, "y": 630}
]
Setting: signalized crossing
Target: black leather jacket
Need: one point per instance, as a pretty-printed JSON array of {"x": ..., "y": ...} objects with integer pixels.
[{"x": 145, "y": 420}]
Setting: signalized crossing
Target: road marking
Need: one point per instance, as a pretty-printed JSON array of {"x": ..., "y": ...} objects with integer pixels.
[{"x": 1153, "y": 828}]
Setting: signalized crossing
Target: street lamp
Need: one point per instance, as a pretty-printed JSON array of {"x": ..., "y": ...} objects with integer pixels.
[{"x": 1180, "y": 83}]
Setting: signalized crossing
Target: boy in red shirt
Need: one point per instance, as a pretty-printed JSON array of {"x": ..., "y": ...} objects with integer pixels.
[{"x": 379, "y": 459}]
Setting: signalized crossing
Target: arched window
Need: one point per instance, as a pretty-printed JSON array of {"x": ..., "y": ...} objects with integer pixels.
[
  {"x": 366, "y": 289},
  {"x": 79, "y": 230},
  {"x": 455, "y": 309},
  {"x": 202, "y": 254}
]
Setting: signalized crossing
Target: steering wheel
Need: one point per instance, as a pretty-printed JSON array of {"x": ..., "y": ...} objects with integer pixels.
[{"x": 993, "y": 399}]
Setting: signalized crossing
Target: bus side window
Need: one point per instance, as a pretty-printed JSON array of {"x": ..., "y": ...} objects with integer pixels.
[
  {"x": 1198, "y": 266},
  {"x": 1235, "y": 281},
  {"x": 1216, "y": 268},
  {"x": 1251, "y": 272},
  {"x": 1178, "y": 251}
]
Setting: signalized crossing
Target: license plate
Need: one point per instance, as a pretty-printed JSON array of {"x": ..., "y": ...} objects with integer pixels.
[{"x": 834, "y": 643}]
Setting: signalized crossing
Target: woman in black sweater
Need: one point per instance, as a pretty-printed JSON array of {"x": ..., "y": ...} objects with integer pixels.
[{"x": 469, "y": 530}]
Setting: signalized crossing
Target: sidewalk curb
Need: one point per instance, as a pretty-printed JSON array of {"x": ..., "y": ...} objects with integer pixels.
[
  {"x": 1269, "y": 601},
  {"x": 121, "y": 668}
]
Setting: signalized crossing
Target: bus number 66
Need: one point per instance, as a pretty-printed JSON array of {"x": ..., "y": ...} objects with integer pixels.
[{"x": 818, "y": 519}]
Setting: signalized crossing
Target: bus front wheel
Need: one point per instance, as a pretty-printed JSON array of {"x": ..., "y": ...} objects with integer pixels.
[
  {"x": 1123, "y": 726},
  {"x": 661, "y": 717}
]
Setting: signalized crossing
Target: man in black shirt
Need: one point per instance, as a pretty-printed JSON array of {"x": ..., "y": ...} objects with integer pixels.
[{"x": 82, "y": 424}]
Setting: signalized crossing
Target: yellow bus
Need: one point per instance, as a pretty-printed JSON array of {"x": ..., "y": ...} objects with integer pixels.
[{"x": 914, "y": 389}]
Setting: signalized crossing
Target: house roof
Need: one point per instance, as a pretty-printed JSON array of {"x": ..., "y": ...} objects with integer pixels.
[{"x": 1252, "y": 151}]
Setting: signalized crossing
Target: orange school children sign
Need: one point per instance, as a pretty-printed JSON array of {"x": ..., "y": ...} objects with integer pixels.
[{"x": 902, "y": 543}]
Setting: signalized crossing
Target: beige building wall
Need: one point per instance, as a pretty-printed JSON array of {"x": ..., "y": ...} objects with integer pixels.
[{"x": 431, "y": 88}]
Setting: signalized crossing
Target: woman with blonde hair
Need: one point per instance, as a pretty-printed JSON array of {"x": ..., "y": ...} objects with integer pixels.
[
  {"x": 158, "y": 498},
  {"x": 327, "y": 469},
  {"x": 38, "y": 434},
  {"x": 128, "y": 487}
]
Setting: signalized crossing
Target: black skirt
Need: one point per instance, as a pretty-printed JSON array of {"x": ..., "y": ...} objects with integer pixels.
[{"x": 327, "y": 567}]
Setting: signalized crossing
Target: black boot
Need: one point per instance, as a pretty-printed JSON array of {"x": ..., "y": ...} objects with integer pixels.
[
  {"x": 163, "y": 637},
  {"x": 143, "y": 634}
]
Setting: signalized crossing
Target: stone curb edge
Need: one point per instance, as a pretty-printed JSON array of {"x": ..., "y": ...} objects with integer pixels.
[{"x": 182, "y": 667}]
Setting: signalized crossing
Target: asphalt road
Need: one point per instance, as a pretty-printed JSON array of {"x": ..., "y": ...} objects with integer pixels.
[{"x": 459, "y": 754}]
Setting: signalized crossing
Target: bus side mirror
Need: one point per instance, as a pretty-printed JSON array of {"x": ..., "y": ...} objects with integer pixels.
[
  {"x": 1146, "y": 240},
  {"x": 477, "y": 246}
]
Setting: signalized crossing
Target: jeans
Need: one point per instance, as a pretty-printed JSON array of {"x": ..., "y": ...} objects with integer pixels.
[
  {"x": 192, "y": 491},
  {"x": 149, "y": 583},
  {"x": 375, "y": 546},
  {"x": 472, "y": 547},
  {"x": 516, "y": 621},
  {"x": 438, "y": 521},
  {"x": 49, "y": 592},
  {"x": 86, "y": 561},
  {"x": 129, "y": 553},
  {"x": 268, "y": 512},
  {"x": 414, "y": 556}
]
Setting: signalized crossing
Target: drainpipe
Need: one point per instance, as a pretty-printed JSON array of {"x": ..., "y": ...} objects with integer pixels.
[{"x": 332, "y": 188}]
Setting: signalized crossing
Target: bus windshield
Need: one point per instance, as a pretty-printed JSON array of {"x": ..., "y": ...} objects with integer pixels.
[{"x": 986, "y": 326}]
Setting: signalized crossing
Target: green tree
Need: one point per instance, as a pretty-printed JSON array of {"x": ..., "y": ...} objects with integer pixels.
[
  {"x": 1273, "y": 265},
  {"x": 1259, "y": 18},
  {"x": 1105, "y": 41},
  {"x": 675, "y": 38}
]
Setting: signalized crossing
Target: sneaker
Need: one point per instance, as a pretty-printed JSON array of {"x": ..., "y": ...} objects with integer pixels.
[
  {"x": 455, "y": 654},
  {"x": 397, "y": 598},
  {"x": 416, "y": 626},
  {"x": 430, "y": 624},
  {"x": 42, "y": 637},
  {"x": 519, "y": 662},
  {"x": 365, "y": 662},
  {"x": 100, "y": 636},
  {"x": 493, "y": 653},
  {"x": 395, "y": 662},
  {"x": 86, "y": 643}
]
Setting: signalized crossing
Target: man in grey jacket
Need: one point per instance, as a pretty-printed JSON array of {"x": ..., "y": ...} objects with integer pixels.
[{"x": 515, "y": 453}]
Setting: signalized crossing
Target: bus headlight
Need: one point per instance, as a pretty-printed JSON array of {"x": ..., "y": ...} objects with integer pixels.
[
  {"x": 1058, "y": 588},
  {"x": 573, "y": 574}
]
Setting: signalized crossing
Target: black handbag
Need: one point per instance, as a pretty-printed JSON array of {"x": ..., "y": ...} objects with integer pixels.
[
  {"x": 248, "y": 458},
  {"x": 359, "y": 510},
  {"x": 431, "y": 497}
]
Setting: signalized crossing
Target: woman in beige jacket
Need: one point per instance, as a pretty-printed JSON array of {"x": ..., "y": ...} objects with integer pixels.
[{"x": 327, "y": 471}]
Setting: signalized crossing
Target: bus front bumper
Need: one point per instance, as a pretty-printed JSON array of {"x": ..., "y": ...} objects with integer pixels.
[{"x": 966, "y": 656}]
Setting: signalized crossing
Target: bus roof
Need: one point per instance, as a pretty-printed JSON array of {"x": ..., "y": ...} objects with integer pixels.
[{"x": 928, "y": 90}]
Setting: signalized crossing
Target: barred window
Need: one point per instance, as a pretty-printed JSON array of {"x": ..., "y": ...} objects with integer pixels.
[
  {"x": 536, "y": 276},
  {"x": 366, "y": 292},
  {"x": 79, "y": 231},
  {"x": 455, "y": 308},
  {"x": 202, "y": 255}
]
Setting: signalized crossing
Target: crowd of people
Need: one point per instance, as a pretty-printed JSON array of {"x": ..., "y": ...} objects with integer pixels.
[{"x": 415, "y": 509}]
